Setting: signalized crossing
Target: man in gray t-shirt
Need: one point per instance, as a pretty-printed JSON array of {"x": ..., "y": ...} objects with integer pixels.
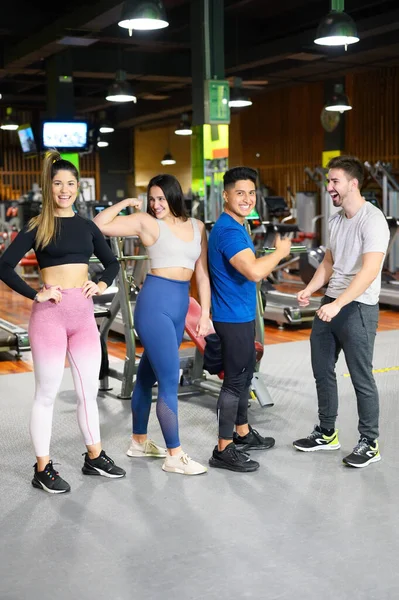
[{"x": 348, "y": 317}]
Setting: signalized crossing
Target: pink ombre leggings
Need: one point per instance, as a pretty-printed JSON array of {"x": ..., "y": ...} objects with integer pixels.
[{"x": 57, "y": 330}]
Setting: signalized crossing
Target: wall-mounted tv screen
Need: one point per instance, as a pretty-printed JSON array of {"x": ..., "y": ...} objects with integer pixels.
[
  {"x": 66, "y": 136},
  {"x": 27, "y": 139}
]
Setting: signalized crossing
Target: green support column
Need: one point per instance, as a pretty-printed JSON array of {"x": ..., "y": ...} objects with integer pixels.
[{"x": 211, "y": 112}]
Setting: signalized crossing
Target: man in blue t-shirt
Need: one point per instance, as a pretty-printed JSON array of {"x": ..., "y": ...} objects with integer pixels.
[{"x": 234, "y": 271}]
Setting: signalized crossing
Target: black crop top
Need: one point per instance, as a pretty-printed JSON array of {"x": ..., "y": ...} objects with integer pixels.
[{"x": 76, "y": 241}]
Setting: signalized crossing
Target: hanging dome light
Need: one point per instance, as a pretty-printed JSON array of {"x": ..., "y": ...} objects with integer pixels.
[
  {"x": 9, "y": 124},
  {"x": 106, "y": 127},
  {"x": 102, "y": 143},
  {"x": 144, "y": 16},
  {"x": 336, "y": 29},
  {"x": 339, "y": 102},
  {"x": 168, "y": 159},
  {"x": 120, "y": 90},
  {"x": 238, "y": 99},
  {"x": 184, "y": 127}
]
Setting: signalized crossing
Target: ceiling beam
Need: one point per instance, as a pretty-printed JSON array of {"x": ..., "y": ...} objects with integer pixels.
[
  {"x": 274, "y": 51},
  {"x": 99, "y": 59},
  {"x": 93, "y": 16}
]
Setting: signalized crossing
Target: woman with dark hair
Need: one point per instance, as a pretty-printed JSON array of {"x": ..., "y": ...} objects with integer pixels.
[
  {"x": 62, "y": 321},
  {"x": 177, "y": 247}
]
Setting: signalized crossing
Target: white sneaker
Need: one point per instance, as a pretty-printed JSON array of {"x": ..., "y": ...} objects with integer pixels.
[
  {"x": 183, "y": 464},
  {"x": 147, "y": 448}
]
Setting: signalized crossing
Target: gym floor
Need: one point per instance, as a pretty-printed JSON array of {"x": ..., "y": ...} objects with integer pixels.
[{"x": 303, "y": 526}]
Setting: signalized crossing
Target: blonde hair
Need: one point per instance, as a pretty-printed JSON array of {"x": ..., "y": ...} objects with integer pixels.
[{"x": 47, "y": 225}]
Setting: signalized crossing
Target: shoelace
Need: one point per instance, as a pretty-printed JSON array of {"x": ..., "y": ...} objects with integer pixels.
[
  {"x": 361, "y": 447},
  {"x": 185, "y": 458},
  {"x": 106, "y": 458},
  {"x": 315, "y": 434},
  {"x": 151, "y": 445},
  {"x": 51, "y": 472},
  {"x": 257, "y": 435},
  {"x": 238, "y": 456},
  {"x": 101, "y": 456}
]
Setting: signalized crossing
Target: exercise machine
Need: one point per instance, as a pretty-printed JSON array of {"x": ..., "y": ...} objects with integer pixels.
[
  {"x": 380, "y": 173},
  {"x": 13, "y": 338},
  {"x": 282, "y": 307},
  {"x": 195, "y": 376},
  {"x": 122, "y": 305}
]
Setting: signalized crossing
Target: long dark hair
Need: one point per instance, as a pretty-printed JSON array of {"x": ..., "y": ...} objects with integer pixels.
[
  {"x": 45, "y": 222},
  {"x": 173, "y": 194}
]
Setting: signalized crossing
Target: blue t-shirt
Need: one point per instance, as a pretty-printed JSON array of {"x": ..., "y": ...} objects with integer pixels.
[{"x": 233, "y": 295}]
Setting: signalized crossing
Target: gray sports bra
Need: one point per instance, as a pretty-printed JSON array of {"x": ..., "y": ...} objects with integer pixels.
[{"x": 171, "y": 251}]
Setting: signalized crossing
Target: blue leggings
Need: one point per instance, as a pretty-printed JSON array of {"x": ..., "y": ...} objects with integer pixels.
[{"x": 159, "y": 318}]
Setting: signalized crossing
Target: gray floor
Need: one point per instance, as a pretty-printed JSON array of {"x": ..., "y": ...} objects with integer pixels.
[{"x": 302, "y": 527}]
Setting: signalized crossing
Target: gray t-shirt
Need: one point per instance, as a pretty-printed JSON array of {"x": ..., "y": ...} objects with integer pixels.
[{"x": 366, "y": 231}]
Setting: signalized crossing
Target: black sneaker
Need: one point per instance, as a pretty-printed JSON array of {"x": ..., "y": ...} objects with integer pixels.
[
  {"x": 102, "y": 465},
  {"x": 253, "y": 441},
  {"x": 363, "y": 454},
  {"x": 233, "y": 460},
  {"x": 317, "y": 440},
  {"x": 49, "y": 480}
]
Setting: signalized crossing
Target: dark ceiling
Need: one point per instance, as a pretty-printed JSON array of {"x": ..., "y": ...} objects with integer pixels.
[{"x": 268, "y": 44}]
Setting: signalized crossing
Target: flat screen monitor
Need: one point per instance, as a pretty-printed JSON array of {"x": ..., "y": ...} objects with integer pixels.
[
  {"x": 65, "y": 136},
  {"x": 27, "y": 139}
]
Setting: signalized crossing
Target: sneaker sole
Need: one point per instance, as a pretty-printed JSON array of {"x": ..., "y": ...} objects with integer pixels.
[
  {"x": 316, "y": 448},
  {"x": 372, "y": 460},
  {"x": 98, "y": 472},
  {"x": 138, "y": 454},
  {"x": 41, "y": 486},
  {"x": 181, "y": 471},
  {"x": 218, "y": 464}
]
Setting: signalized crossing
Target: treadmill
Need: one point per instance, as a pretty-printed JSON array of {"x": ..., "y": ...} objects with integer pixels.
[
  {"x": 383, "y": 177},
  {"x": 282, "y": 307},
  {"x": 389, "y": 285},
  {"x": 13, "y": 338}
]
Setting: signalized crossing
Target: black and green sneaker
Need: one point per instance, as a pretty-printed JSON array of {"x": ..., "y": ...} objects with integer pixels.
[
  {"x": 317, "y": 440},
  {"x": 364, "y": 453}
]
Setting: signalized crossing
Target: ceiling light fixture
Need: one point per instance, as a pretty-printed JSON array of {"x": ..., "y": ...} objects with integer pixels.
[
  {"x": 120, "y": 90},
  {"x": 102, "y": 143},
  {"x": 143, "y": 16},
  {"x": 106, "y": 128},
  {"x": 184, "y": 127},
  {"x": 104, "y": 125},
  {"x": 339, "y": 102},
  {"x": 337, "y": 28},
  {"x": 237, "y": 97},
  {"x": 168, "y": 159},
  {"x": 9, "y": 124}
]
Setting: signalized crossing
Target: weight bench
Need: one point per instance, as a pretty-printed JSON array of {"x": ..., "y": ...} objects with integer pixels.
[{"x": 196, "y": 375}]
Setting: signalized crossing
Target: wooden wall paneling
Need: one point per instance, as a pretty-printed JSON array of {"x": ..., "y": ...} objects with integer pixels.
[
  {"x": 284, "y": 127},
  {"x": 372, "y": 125},
  {"x": 151, "y": 145}
]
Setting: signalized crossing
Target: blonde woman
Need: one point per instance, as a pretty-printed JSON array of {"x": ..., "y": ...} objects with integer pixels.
[{"x": 62, "y": 321}]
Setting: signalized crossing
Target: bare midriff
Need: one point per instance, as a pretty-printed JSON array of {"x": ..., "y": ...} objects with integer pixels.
[
  {"x": 178, "y": 273},
  {"x": 66, "y": 276}
]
